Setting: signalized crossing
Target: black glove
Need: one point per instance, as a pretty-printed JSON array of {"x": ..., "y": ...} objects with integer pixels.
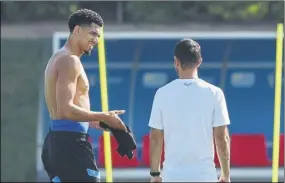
[{"x": 126, "y": 140}]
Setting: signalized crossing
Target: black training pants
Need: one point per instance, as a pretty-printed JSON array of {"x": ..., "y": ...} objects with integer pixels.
[{"x": 68, "y": 157}]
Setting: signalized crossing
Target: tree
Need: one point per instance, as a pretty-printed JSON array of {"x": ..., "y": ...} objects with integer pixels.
[{"x": 231, "y": 12}]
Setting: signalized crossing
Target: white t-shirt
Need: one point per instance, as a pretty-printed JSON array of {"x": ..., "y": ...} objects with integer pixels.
[{"x": 187, "y": 110}]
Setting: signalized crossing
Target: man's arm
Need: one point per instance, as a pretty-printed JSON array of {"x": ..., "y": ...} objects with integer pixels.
[
  {"x": 156, "y": 133},
  {"x": 221, "y": 135},
  {"x": 69, "y": 69},
  {"x": 222, "y": 141},
  {"x": 156, "y": 142}
]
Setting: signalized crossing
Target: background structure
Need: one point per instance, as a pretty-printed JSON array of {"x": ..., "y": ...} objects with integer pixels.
[{"x": 238, "y": 47}]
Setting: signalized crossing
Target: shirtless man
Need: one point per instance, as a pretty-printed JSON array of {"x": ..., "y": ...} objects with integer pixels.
[{"x": 67, "y": 155}]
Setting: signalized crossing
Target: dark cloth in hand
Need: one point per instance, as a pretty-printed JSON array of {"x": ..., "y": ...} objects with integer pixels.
[{"x": 126, "y": 140}]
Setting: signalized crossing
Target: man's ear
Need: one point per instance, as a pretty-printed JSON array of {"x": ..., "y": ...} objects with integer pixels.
[
  {"x": 176, "y": 62},
  {"x": 76, "y": 30},
  {"x": 200, "y": 62}
]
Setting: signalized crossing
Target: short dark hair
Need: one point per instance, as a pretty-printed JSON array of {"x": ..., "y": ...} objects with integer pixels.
[
  {"x": 188, "y": 52},
  {"x": 84, "y": 17}
]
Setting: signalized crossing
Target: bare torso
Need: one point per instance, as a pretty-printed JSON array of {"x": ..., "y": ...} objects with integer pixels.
[{"x": 81, "y": 98}]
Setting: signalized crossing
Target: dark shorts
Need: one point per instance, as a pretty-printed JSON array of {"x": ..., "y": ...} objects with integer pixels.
[{"x": 68, "y": 157}]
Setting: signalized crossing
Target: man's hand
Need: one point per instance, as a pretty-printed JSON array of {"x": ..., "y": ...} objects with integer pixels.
[
  {"x": 116, "y": 112},
  {"x": 115, "y": 121},
  {"x": 156, "y": 179},
  {"x": 224, "y": 179},
  {"x": 96, "y": 124}
]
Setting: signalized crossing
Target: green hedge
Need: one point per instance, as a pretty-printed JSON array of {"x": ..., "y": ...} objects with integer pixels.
[
  {"x": 155, "y": 12},
  {"x": 22, "y": 64}
]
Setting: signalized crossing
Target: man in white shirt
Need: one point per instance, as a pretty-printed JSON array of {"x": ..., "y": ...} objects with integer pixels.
[{"x": 188, "y": 114}]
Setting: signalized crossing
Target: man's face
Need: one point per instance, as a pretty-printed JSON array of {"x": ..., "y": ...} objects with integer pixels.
[{"x": 88, "y": 37}]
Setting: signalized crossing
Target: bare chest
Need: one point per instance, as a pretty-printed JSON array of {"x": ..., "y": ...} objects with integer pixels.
[{"x": 83, "y": 83}]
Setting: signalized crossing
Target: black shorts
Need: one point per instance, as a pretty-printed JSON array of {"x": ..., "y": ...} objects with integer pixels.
[{"x": 68, "y": 157}]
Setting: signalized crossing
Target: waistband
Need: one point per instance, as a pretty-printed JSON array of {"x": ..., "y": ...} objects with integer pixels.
[{"x": 69, "y": 125}]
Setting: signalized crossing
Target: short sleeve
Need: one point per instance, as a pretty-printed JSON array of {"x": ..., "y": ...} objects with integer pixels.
[
  {"x": 155, "y": 120},
  {"x": 221, "y": 116}
]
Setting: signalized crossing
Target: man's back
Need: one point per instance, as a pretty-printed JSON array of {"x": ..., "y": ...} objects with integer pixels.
[
  {"x": 188, "y": 114},
  {"x": 50, "y": 84},
  {"x": 187, "y": 109}
]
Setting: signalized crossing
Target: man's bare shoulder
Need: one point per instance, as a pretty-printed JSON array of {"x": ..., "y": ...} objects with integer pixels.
[{"x": 66, "y": 61}]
